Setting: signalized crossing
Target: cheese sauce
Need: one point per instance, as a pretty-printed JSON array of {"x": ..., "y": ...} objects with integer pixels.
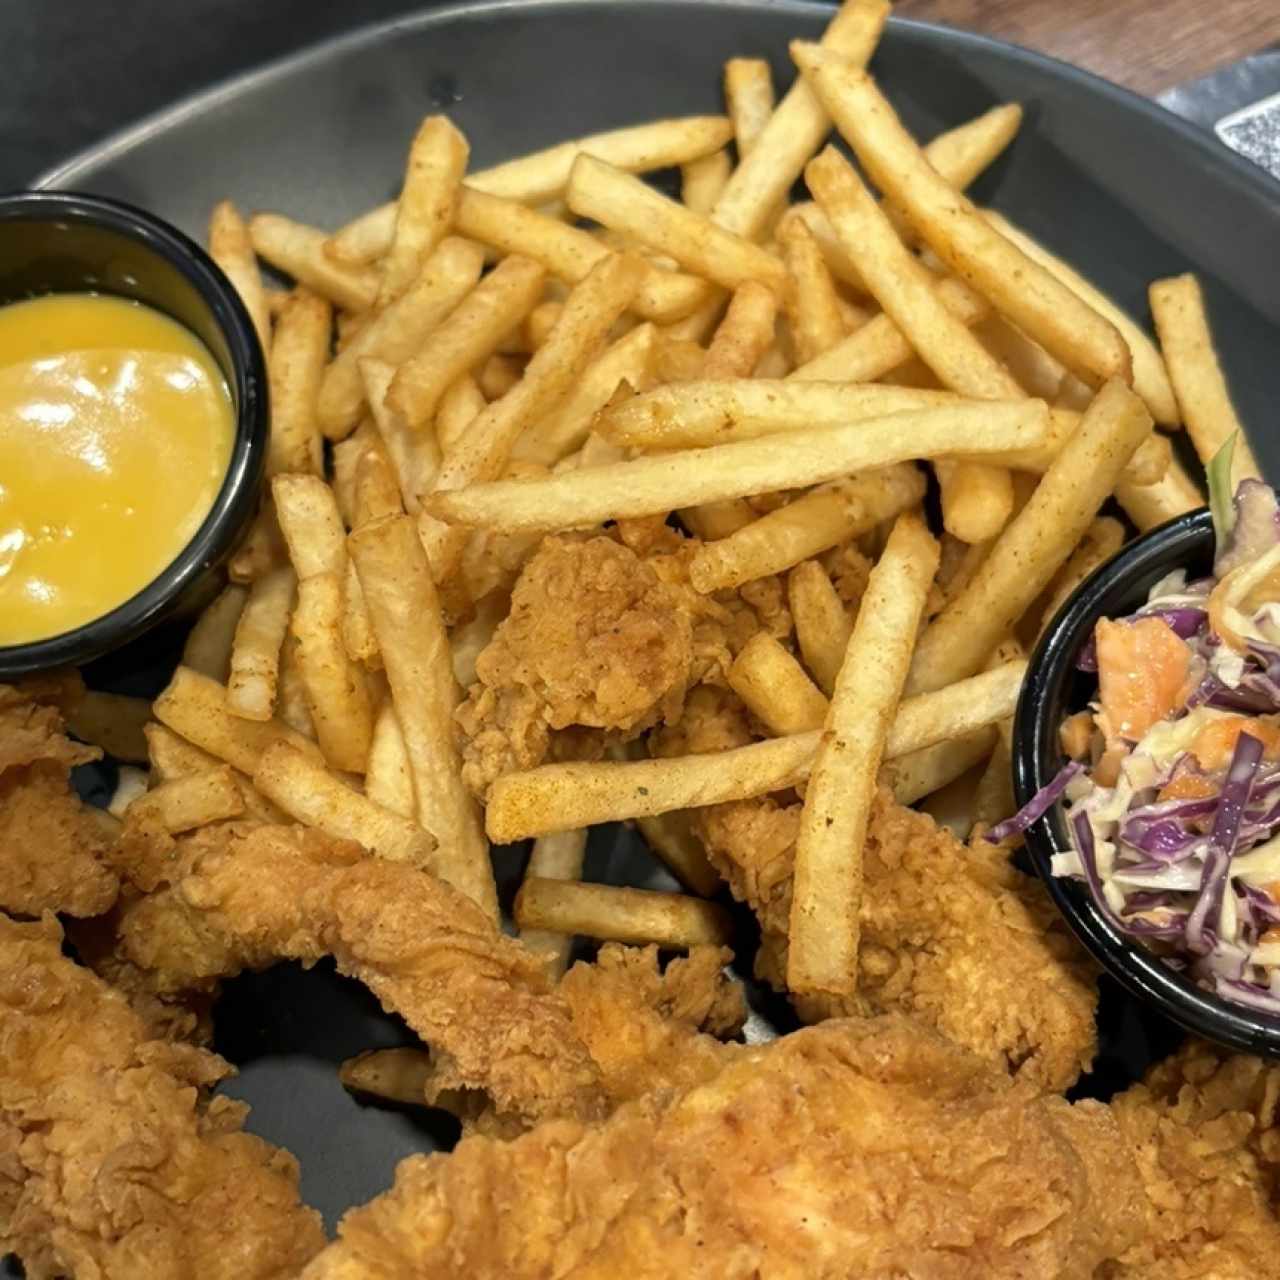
[{"x": 116, "y": 429}]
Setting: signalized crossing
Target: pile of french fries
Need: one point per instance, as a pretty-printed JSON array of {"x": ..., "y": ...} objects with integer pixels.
[{"x": 552, "y": 344}]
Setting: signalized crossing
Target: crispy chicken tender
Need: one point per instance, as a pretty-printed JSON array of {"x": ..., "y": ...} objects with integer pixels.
[
  {"x": 976, "y": 954},
  {"x": 858, "y": 1148},
  {"x": 1203, "y": 1129},
  {"x": 114, "y": 1161},
  {"x": 51, "y": 843},
  {"x": 245, "y": 897}
]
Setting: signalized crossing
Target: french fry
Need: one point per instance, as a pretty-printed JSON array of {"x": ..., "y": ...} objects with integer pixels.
[
  {"x": 292, "y": 706},
  {"x": 812, "y": 303},
  {"x": 1037, "y": 541},
  {"x": 311, "y": 524},
  {"x": 702, "y": 181},
  {"x": 437, "y": 160},
  {"x": 1102, "y": 539},
  {"x": 387, "y": 780},
  {"x": 397, "y": 332},
  {"x": 822, "y": 623},
  {"x": 541, "y": 176},
  {"x": 559, "y": 797},
  {"x": 775, "y": 687},
  {"x": 195, "y": 708},
  {"x": 993, "y": 798},
  {"x": 261, "y": 551},
  {"x": 398, "y": 1075},
  {"x": 625, "y": 204},
  {"x": 130, "y": 784},
  {"x": 377, "y": 489},
  {"x": 655, "y": 485},
  {"x": 1023, "y": 290},
  {"x": 555, "y": 857},
  {"x": 346, "y": 455},
  {"x": 613, "y": 914},
  {"x": 112, "y": 721},
  {"x": 413, "y": 455},
  {"x": 1148, "y": 506},
  {"x": 566, "y": 427},
  {"x": 488, "y": 313},
  {"x": 170, "y": 756},
  {"x": 822, "y": 518},
  {"x": 744, "y": 335},
  {"x": 827, "y": 889},
  {"x": 299, "y": 351},
  {"x": 714, "y": 520},
  {"x": 498, "y": 375},
  {"x": 194, "y": 801},
  {"x": 961, "y": 154},
  {"x": 1032, "y": 367},
  {"x": 879, "y": 346},
  {"x": 255, "y": 652},
  {"x": 1177, "y": 305},
  {"x": 671, "y": 838},
  {"x": 400, "y": 592},
  {"x": 749, "y": 98},
  {"x": 539, "y": 323},
  {"x": 459, "y": 407},
  {"x": 298, "y": 251},
  {"x": 483, "y": 452},
  {"x": 208, "y": 644},
  {"x": 569, "y": 253},
  {"x": 337, "y": 693},
  {"x": 469, "y": 639},
  {"x": 310, "y": 794},
  {"x": 231, "y": 248},
  {"x": 768, "y": 171},
  {"x": 1150, "y": 377},
  {"x": 692, "y": 415},
  {"x": 912, "y": 777}
]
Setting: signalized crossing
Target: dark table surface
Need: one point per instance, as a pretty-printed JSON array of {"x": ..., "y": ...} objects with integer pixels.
[{"x": 87, "y": 67}]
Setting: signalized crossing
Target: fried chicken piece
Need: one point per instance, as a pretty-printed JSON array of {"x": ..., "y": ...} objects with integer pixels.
[
  {"x": 246, "y": 897},
  {"x": 51, "y": 843},
  {"x": 984, "y": 962},
  {"x": 1203, "y": 1127},
  {"x": 858, "y": 1148},
  {"x": 114, "y": 1161}
]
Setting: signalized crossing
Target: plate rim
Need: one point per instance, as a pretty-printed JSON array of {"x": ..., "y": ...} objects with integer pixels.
[{"x": 63, "y": 175}]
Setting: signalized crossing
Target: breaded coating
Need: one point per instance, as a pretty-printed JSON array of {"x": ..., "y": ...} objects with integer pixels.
[
  {"x": 985, "y": 963},
  {"x": 51, "y": 843},
  {"x": 1203, "y": 1129},
  {"x": 858, "y": 1148},
  {"x": 114, "y": 1160},
  {"x": 244, "y": 897}
]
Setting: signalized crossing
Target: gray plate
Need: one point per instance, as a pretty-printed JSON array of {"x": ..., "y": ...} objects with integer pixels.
[{"x": 1111, "y": 181}]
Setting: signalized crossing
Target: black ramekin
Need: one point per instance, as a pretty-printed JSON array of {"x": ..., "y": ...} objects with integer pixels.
[
  {"x": 1053, "y": 689},
  {"x": 61, "y": 242}
]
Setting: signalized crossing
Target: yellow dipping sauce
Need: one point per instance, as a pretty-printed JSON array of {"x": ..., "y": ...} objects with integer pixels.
[{"x": 116, "y": 429}]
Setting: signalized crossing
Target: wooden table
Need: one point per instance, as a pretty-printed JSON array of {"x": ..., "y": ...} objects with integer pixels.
[{"x": 1146, "y": 45}]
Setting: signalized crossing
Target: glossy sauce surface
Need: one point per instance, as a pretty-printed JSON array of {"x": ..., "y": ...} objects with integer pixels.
[{"x": 116, "y": 429}]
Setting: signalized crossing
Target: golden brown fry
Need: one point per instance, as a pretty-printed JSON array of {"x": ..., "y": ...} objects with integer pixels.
[
  {"x": 208, "y": 644},
  {"x": 822, "y": 623},
  {"x": 625, "y": 204},
  {"x": 613, "y": 914},
  {"x": 482, "y": 453},
  {"x": 1148, "y": 506},
  {"x": 1102, "y": 539},
  {"x": 397, "y": 332},
  {"x": 715, "y": 520},
  {"x": 993, "y": 798},
  {"x": 112, "y": 721},
  {"x": 337, "y": 692},
  {"x": 377, "y": 489},
  {"x": 131, "y": 783},
  {"x": 1150, "y": 377},
  {"x": 399, "y": 1075},
  {"x": 437, "y": 160},
  {"x": 387, "y": 779},
  {"x": 412, "y": 455},
  {"x": 401, "y": 596},
  {"x": 299, "y": 351},
  {"x": 654, "y": 485},
  {"x": 765, "y": 175},
  {"x": 775, "y": 687},
  {"x": 1034, "y": 299},
  {"x": 749, "y": 98},
  {"x": 813, "y": 305},
  {"x": 1036, "y": 543},
  {"x": 1177, "y": 305},
  {"x": 493, "y": 308},
  {"x": 311, "y": 524},
  {"x": 195, "y": 708},
  {"x": 292, "y": 706},
  {"x": 498, "y": 375},
  {"x": 744, "y": 335},
  {"x": 196, "y": 800},
  {"x": 827, "y": 893},
  {"x": 671, "y": 837},
  {"x": 231, "y": 248},
  {"x": 255, "y": 653},
  {"x": 822, "y": 518},
  {"x": 459, "y": 407},
  {"x": 298, "y": 251},
  {"x": 702, "y": 181},
  {"x": 912, "y": 777},
  {"x": 555, "y": 857}
]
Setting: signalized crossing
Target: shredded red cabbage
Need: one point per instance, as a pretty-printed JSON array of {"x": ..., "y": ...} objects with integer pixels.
[{"x": 1037, "y": 806}]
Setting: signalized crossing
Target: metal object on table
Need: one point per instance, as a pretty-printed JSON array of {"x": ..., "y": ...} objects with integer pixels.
[{"x": 1240, "y": 103}]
